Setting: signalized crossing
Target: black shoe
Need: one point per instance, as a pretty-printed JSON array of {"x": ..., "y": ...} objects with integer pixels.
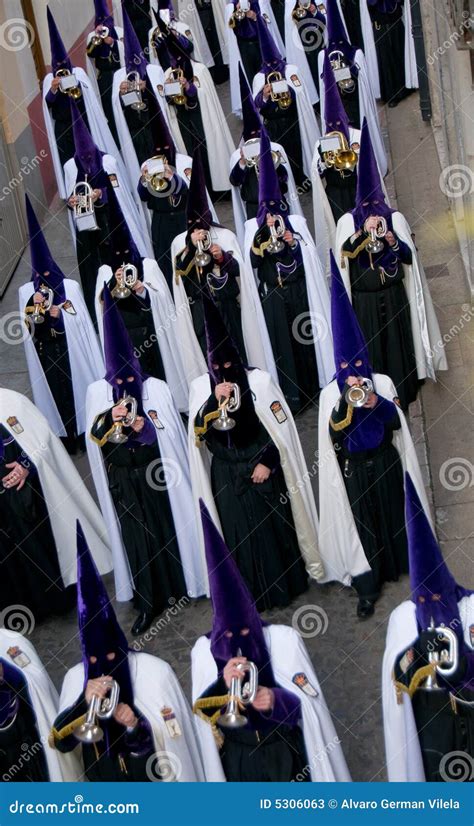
[
  {"x": 142, "y": 622},
  {"x": 365, "y": 609}
]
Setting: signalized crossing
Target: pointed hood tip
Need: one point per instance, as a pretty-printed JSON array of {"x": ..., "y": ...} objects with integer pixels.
[
  {"x": 59, "y": 55},
  {"x": 198, "y": 213},
  {"x": 272, "y": 60},
  {"x": 134, "y": 58},
  {"x": 335, "y": 116},
  {"x": 121, "y": 361},
  {"x": 251, "y": 120},
  {"x": 348, "y": 340},
  {"x": 270, "y": 198}
]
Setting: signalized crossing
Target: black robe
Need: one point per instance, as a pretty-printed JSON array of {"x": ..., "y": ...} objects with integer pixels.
[
  {"x": 222, "y": 280},
  {"x": 389, "y": 38},
  {"x": 283, "y": 127},
  {"x": 351, "y": 12},
  {"x": 374, "y": 485},
  {"x": 248, "y": 45},
  {"x": 29, "y": 566},
  {"x": 219, "y": 72},
  {"x": 382, "y": 307},
  {"x": 140, "y": 18},
  {"x": 340, "y": 191},
  {"x": 144, "y": 513},
  {"x": 22, "y": 757},
  {"x": 284, "y": 297},
  {"x": 138, "y": 124},
  {"x": 444, "y": 718},
  {"x": 190, "y": 123},
  {"x": 258, "y": 529},
  {"x": 168, "y": 220},
  {"x": 126, "y": 761},
  {"x": 247, "y": 180},
  {"x": 278, "y": 9},
  {"x": 107, "y": 61},
  {"x": 60, "y": 111}
]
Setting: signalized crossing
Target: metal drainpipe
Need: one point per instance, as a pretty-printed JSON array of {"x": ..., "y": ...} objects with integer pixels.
[{"x": 424, "y": 86}]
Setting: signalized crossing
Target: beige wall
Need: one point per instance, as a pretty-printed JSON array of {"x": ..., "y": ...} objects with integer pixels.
[{"x": 19, "y": 84}]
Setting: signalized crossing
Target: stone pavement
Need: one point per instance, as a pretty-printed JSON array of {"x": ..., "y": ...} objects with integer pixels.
[{"x": 347, "y": 654}]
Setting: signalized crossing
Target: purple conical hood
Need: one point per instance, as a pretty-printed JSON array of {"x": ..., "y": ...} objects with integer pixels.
[
  {"x": 270, "y": 198},
  {"x": 99, "y": 630},
  {"x": 348, "y": 340},
  {"x": 336, "y": 31},
  {"x": 87, "y": 154},
  {"x": 232, "y": 603},
  {"x": 166, "y": 5},
  {"x": 123, "y": 246},
  {"x": 135, "y": 60},
  {"x": 41, "y": 259},
  {"x": 179, "y": 56},
  {"x": 433, "y": 588},
  {"x": 120, "y": 359},
  {"x": 103, "y": 15},
  {"x": 252, "y": 122},
  {"x": 272, "y": 61},
  {"x": 59, "y": 56},
  {"x": 163, "y": 143},
  {"x": 335, "y": 116},
  {"x": 198, "y": 213},
  {"x": 370, "y": 199},
  {"x": 220, "y": 348}
]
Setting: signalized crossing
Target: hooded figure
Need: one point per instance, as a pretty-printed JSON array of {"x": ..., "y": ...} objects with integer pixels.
[
  {"x": 334, "y": 180},
  {"x": 147, "y": 311},
  {"x": 61, "y": 348},
  {"x": 138, "y": 13},
  {"x": 148, "y": 517},
  {"x": 388, "y": 287},
  {"x": 288, "y": 724},
  {"x": 305, "y": 36},
  {"x": 165, "y": 28},
  {"x": 428, "y": 708},
  {"x": 196, "y": 114},
  {"x": 42, "y": 497},
  {"x": 135, "y": 744},
  {"x": 57, "y": 113},
  {"x": 185, "y": 31},
  {"x": 363, "y": 536},
  {"x": 242, "y": 473},
  {"x": 105, "y": 54},
  {"x": 292, "y": 289},
  {"x": 389, "y": 48},
  {"x": 28, "y": 706},
  {"x": 357, "y": 91},
  {"x": 286, "y": 112},
  {"x": 208, "y": 24},
  {"x": 243, "y": 172},
  {"x": 244, "y": 44}
]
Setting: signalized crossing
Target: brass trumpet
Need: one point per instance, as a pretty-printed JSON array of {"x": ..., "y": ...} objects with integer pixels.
[
  {"x": 300, "y": 12},
  {"x": 342, "y": 72},
  {"x": 156, "y": 182},
  {"x": 358, "y": 394},
  {"x": 133, "y": 96},
  {"x": 202, "y": 257},
  {"x": 277, "y": 231},
  {"x": 175, "y": 89},
  {"x": 447, "y": 662},
  {"x": 84, "y": 213},
  {"x": 70, "y": 87},
  {"x": 252, "y": 161},
  {"x": 226, "y": 422},
  {"x": 375, "y": 244},
  {"x": 98, "y": 38},
  {"x": 38, "y": 316},
  {"x": 117, "y": 436},
  {"x": 343, "y": 159},
  {"x": 126, "y": 279},
  {"x": 240, "y": 695},
  {"x": 279, "y": 94},
  {"x": 241, "y": 13},
  {"x": 101, "y": 708}
]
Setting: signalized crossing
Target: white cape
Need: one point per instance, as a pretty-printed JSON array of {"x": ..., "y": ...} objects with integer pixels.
[
  {"x": 255, "y": 335},
  {"x": 155, "y": 687},
  {"x": 318, "y": 294},
  {"x": 65, "y": 494},
  {"x": 367, "y": 108},
  {"x": 402, "y": 746},
  {"x": 188, "y": 13},
  {"x": 164, "y": 318},
  {"x": 240, "y": 213},
  {"x": 44, "y": 699},
  {"x": 234, "y": 53},
  {"x": 308, "y": 125},
  {"x": 201, "y": 51},
  {"x": 427, "y": 340},
  {"x": 85, "y": 357},
  {"x": 173, "y": 451},
  {"x": 411, "y": 73},
  {"x": 135, "y": 218},
  {"x": 341, "y": 549},
  {"x": 219, "y": 141},
  {"x": 98, "y": 125},
  {"x": 285, "y": 436},
  {"x": 288, "y": 656}
]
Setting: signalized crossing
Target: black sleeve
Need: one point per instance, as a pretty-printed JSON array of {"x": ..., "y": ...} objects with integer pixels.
[
  {"x": 101, "y": 427},
  {"x": 62, "y": 735}
]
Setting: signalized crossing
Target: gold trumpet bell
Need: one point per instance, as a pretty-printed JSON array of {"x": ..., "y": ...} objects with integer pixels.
[{"x": 346, "y": 160}]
